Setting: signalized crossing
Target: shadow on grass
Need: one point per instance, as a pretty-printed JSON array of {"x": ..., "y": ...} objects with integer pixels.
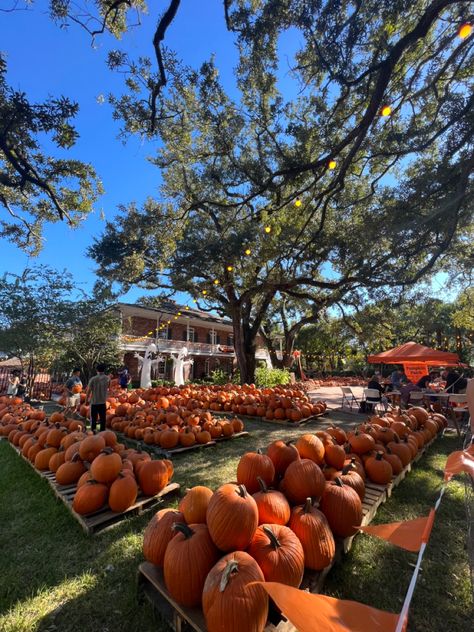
[{"x": 378, "y": 574}]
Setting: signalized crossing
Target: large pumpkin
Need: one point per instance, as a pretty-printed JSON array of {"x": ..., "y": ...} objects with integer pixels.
[
  {"x": 194, "y": 505},
  {"x": 90, "y": 497},
  {"x": 188, "y": 559},
  {"x": 342, "y": 507},
  {"x": 351, "y": 477},
  {"x": 310, "y": 447},
  {"x": 315, "y": 535},
  {"x": 123, "y": 493},
  {"x": 231, "y": 600},
  {"x": 158, "y": 534},
  {"x": 90, "y": 447},
  {"x": 152, "y": 477},
  {"x": 279, "y": 553},
  {"x": 303, "y": 479},
  {"x": 70, "y": 471},
  {"x": 273, "y": 508},
  {"x": 282, "y": 454},
  {"x": 232, "y": 517},
  {"x": 43, "y": 457},
  {"x": 251, "y": 467}
]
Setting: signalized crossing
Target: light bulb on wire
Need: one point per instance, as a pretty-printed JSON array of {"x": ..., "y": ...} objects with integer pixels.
[
  {"x": 465, "y": 30},
  {"x": 332, "y": 164},
  {"x": 268, "y": 229},
  {"x": 298, "y": 202},
  {"x": 229, "y": 268},
  {"x": 386, "y": 110},
  {"x": 248, "y": 251}
]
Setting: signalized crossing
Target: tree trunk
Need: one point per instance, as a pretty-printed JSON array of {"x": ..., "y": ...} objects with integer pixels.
[{"x": 245, "y": 347}]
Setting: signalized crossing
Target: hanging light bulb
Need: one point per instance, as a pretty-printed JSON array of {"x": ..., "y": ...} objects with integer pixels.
[
  {"x": 248, "y": 251},
  {"x": 216, "y": 281},
  {"x": 386, "y": 110},
  {"x": 229, "y": 268},
  {"x": 332, "y": 164},
  {"x": 194, "y": 300},
  {"x": 187, "y": 307},
  {"x": 204, "y": 292},
  {"x": 465, "y": 30},
  {"x": 268, "y": 229},
  {"x": 298, "y": 202}
]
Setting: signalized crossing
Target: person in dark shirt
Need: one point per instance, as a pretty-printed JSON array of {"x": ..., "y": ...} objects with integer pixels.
[
  {"x": 375, "y": 383},
  {"x": 427, "y": 379},
  {"x": 455, "y": 383}
]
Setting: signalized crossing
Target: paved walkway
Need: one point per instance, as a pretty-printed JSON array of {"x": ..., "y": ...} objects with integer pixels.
[{"x": 332, "y": 395}]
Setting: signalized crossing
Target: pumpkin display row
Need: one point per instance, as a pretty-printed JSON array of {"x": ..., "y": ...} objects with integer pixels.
[
  {"x": 280, "y": 517},
  {"x": 105, "y": 472},
  {"x": 282, "y": 403}
]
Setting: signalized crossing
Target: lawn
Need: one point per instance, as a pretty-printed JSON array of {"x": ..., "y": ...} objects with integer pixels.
[{"x": 54, "y": 577}]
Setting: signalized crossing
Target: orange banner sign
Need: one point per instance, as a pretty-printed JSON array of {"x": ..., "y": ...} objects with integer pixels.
[
  {"x": 313, "y": 613},
  {"x": 459, "y": 461},
  {"x": 415, "y": 370},
  {"x": 407, "y": 534}
]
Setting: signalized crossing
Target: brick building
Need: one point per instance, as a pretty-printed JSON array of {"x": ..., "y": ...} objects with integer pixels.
[{"x": 208, "y": 338}]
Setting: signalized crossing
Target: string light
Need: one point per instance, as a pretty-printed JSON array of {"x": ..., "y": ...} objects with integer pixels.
[
  {"x": 194, "y": 300},
  {"x": 465, "y": 30},
  {"x": 298, "y": 202},
  {"x": 204, "y": 292},
  {"x": 332, "y": 164},
  {"x": 216, "y": 281},
  {"x": 229, "y": 268},
  {"x": 386, "y": 110},
  {"x": 248, "y": 251},
  {"x": 268, "y": 229},
  {"x": 179, "y": 313},
  {"x": 187, "y": 307}
]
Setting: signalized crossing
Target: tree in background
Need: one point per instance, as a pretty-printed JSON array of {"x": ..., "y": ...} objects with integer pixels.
[
  {"x": 35, "y": 186},
  {"x": 362, "y": 181},
  {"x": 48, "y": 323}
]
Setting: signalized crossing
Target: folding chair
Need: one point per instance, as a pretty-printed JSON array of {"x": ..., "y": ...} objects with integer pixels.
[
  {"x": 349, "y": 398},
  {"x": 372, "y": 396},
  {"x": 416, "y": 398},
  {"x": 461, "y": 407}
]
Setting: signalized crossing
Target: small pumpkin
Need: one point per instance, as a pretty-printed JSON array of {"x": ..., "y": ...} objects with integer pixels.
[
  {"x": 273, "y": 508},
  {"x": 90, "y": 498},
  {"x": 279, "y": 553},
  {"x": 233, "y": 581},
  {"x": 123, "y": 493},
  {"x": 106, "y": 466},
  {"x": 70, "y": 471},
  {"x": 303, "y": 479},
  {"x": 342, "y": 507},
  {"x": 251, "y": 467},
  {"x": 188, "y": 559},
  {"x": 313, "y": 530},
  {"x": 158, "y": 534},
  {"x": 232, "y": 517},
  {"x": 194, "y": 505},
  {"x": 378, "y": 469}
]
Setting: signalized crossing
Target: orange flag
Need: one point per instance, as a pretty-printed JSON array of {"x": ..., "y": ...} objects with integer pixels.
[
  {"x": 313, "y": 613},
  {"x": 459, "y": 461},
  {"x": 408, "y": 534}
]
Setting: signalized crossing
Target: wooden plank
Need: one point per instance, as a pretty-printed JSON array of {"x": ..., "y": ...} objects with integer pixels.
[
  {"x": 168, "y": 452},
  {"x": 280, "y": 422}
]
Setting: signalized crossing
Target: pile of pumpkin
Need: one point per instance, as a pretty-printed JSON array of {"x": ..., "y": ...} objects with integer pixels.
[
  {"x": 285, "y": 403},
  {"x": 180, "y": 428},
  {"x": 105, "y": 472},
  {"x": 280, "y": 517}
]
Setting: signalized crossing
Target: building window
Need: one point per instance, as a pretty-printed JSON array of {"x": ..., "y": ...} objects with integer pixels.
[
  {"x": 230, "y": 340},
  {"x": 163, "y": 334},
  {"x": 207, "y": 367},
  {"x": 212, "y": 337},
  {"x": 191, "y": 334},
  {"x": 161, "y": 370}
]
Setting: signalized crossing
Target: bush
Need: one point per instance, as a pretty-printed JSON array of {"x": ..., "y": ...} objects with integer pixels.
[
  {"x": 267, "y": 378},
  {"x": 218, "y": 376}
]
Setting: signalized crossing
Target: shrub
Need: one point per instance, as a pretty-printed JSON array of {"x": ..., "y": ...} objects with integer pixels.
[{"x": 265, "y": 377}]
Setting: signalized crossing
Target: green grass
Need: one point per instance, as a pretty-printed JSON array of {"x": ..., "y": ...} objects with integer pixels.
[{"x": 54, "y": 577}]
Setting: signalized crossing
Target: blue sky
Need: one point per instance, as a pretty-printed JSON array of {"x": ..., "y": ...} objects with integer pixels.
[{"x": 44, "y": 60}]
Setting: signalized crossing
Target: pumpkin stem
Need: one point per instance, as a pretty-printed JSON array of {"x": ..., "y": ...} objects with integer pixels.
[
  {"x": 338, "y": 482},
  {"x": 307, "y": 506},
  {"x": 350, "y": 467},
  {"x": 275, "y": 542},
  {"x": 232, "y": 567},
  {"x": 183, "y": 528},
  {"x": 379, "y": 455},
  {"x": 242, "y": 491},
  {"x": 263, "y": 486},
  {"x": 259, "y": 451}
]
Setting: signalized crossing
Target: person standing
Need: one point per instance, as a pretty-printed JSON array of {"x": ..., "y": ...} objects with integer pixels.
[
  {"x": 13, "y": 382},
  {"x": 96, "y": 394},
  {"x": 72, "y": 389},
  {"x": 22, "y": 386},
  {"x": 124, "y": 378}
]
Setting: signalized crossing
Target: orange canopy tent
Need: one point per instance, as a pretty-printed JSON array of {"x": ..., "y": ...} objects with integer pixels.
[{"x": 415, "y": 359}]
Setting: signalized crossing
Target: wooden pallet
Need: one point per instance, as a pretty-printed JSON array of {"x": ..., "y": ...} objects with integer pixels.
[
  {"x": 151, "y": 584},
  {"x": 280, "y": 422},
  {"x": 104, "y": 518},
  {"x": 168, "y": 453}
]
